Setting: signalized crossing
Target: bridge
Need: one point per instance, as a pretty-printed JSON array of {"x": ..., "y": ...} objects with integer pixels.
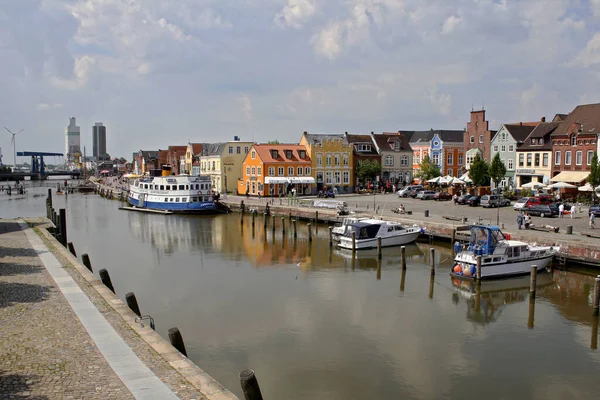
[{"x": 38, "y": 167}]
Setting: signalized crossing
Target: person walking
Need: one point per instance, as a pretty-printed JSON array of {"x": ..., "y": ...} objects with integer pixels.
[
  {"x": 527, "y": 220},
  {"x": 561, "y": 210},
  {"x": 520, "y": 220},
  {"x": 592, "y": 219},
  {"x": 573, "y": 209}
]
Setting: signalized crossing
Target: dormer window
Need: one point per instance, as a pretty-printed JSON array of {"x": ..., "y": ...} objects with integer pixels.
[
  {"x": 274, "y": 154},
  {"x": 288, "y": 154},
  {"x": 302, "y": 154},
  {"x": 573, "y": 140},
  {"x": 364, "y": 147},
  {"x": 397, "y": 146}
]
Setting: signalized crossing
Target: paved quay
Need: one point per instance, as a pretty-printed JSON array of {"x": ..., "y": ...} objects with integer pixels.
[{"x": 62, "y": 340}]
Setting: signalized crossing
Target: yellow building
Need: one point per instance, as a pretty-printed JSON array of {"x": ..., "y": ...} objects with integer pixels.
[
  {"x": 193, "y": 150},
  {"x": 332, "y": 160},
  {"x": 223, "y": 163}
]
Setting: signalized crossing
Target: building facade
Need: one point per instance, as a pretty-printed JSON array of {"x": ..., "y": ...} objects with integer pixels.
[
  {"x": 176, "y": 159},
  {"x": 396, "y": 157},
  {"x": 276, "y": 170},
  {"x": 332, "y": 157},
  {"x": 444, "y": 148},
  {"x": 192, "y": 154},
  {"x": 574, "y": 142},
  {"x": 72, "y": 141},
  {"x": 533, "y": 159},
  {"x": 478, "y": 135},
  {"x": 99, "y": 141},
  {"x": 506, "y": 142},
  {"x": 223, "y": 163},
  {"x": 363, "y": 149}
]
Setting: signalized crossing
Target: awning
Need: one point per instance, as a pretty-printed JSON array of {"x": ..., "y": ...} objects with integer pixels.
[
  {"x": 302, "y": 179},
  {"x": 571, "y": 176},
  {"x": 273, "y": 179}
]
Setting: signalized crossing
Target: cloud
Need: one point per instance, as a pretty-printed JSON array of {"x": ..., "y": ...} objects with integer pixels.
[
  {"x": 295, "y": 13},
  {"x": 81, "y": 73},
  {"x": 328, "y": 42},
  {"x": 590, "y": 55},
  {"x": 450, "y": 24},
  {"x": 442, "y": 103},
  {"x": 246, "y": 107},
  {"x": 45, "y": 106},
  {"x": 595, "y": 6}
]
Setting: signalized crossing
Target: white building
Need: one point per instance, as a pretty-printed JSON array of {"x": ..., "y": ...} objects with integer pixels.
[{"x": 72, "y": 140}]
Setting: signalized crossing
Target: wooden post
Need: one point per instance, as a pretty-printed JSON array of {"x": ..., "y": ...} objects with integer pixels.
[
  {"x": 86, "y": 261},
  {"x": 594, "y": 345},
  {"x": 379, "y": 247},
  {"x": 316, "y": 216},
  {"x": 309, "y": 232},
  {"x": 283, "y": 225},
  {"x": 72, "y": 249},
  {"x": 290, "y": 216},
  {"x": 478, "y": 269},
  {"x": 105, "y": 277},
  {"x": 403, "y": 257},
  {"x": 533, "y": 281},
  {"x": 295, "y": 231},
  {"x": 531, "y": 316},
  {"x": 432, "y": 261},
  {"x": 402, "y": 279},
  {"x": 273, "y": 223},
  {"x": 453, "y": 238},
  {"x": 177, "y": 340},
  {"x": 431, "y": 282},
  {"x": 249, "y": 385},
  {"x": 353, "y": 243},
  {"x": 50, "y": 196},
  {"x": 597, "y": 295},
  {"x": 330, "y": 236},
  {"x": 63, "y": 226},
  {"x": 379, "y": 269},
  {"x": 253, "y": 218},
  {"x": 132, "y": 303}
]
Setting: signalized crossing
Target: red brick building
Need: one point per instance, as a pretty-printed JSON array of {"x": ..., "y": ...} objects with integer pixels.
[
  {"x": 364, "y": 149},
  {"x": 176, "y": 159},
  {"x": 574, "y": 143},
  {"x": 478, "y": 135}
]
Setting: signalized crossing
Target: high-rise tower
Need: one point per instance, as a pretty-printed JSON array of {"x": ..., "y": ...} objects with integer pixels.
[
  {"x": 99, "y": 140},
  {"x": 72, "y": 140}
]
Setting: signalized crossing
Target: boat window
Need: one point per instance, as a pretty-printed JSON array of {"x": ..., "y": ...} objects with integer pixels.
[
  {"x": 509, "y": 252},
  {"x": 184, "y": 199},
  {"x": 181, "y": 187},
  {"x": 166, "y": 199},
  {"x": 497, "y": 259},
  {"x": 162, "y": 187},
  {"x": 398, "y": 228},
  {"x": 168, "y": 187},
  {"x": 194, "y": 199},
  {"x": 151, "y": 187},
  {"x": 176, "y": 199},
  {"x": 174, "y": 187},
  {"x": 390, "y": 228},
  {"x": 187, "y": 187},
  {"x": 516, "y": 251},
  {"x": 523, "y": 249},
  {"x": 487, "y": 260},
  {"x": 363, "y": 234}
]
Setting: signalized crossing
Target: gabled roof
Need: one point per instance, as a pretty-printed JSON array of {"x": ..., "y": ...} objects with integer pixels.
[
  {"x": 150, "y": 154},
  {"x": 212, "y": 149},
  {"x": 178, "y": 149},
  {"x": 264, "y": 152},
  {"x": 543, "y": 131},
  {"x": 519, "y": 132},
  {"x": 588, "y": 116},
  {"x": 445, "y": 135},
  {"x": 560, "y": 117},
  {"x": 387, "y": 140},
  {"x": 315, "y": 138},
  {"x": 362, "y": 139},
  {"x": 196, "y": 148}
]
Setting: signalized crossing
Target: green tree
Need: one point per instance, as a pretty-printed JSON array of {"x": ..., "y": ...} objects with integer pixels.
[
  {"x": 368, "y": 170},
  {"x": 594, "y": 176},
  {"x": 497, "y": 170},
  {"x": 478, "y": 172},
  {"x": 273, "y": 141},
  {"x": 427, "y": 170},
  {"x": 5, "y": 169}
]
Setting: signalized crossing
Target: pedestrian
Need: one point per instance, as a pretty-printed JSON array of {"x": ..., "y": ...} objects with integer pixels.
[
  {"x": 247, "y": 193},
  {"x": 561, "y": 210},
  {"x": 259, "y": 195},
  {"x": 520, "y": 220},
  {"x": 592, "y": 219},
  {"x": 527, "y": 220},
  {"x": 573, "y": 209}
]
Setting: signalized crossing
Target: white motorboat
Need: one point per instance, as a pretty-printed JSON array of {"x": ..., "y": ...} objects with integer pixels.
[
  {"x": 367, "y": 231},
  {"x": 339, "y": 229},
  {"x": 500, "y": 256}
]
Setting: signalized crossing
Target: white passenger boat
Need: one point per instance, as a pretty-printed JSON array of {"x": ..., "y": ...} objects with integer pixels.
[
  {"x": 367, "y": 232},
  {"x": 174, "y": 193},
  {"x": 500, "y": 256}
]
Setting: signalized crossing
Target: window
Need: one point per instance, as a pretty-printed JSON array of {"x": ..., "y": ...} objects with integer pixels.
[
  {"x": 280, "y": 171},
  {"x": 537, "y": 160},
  {"x": 590, "y": 154},
  {"x": 364, "y": 147},
  {"x": 302, "y": 154},
  {"x": 336, "y": 160},
  {"x": 246, "y": 148},
  {"x": 450, "y": 171},
  {"x": 503, "y": 148},
  {"x": 253, "y": 170},
  {"x": 259, "y": 171},
  {"x": 213, "y": 166},
  {"x": 181, "y": 187},
  {"x": 529, "y": 159},
  {"x": 480, "y": 138},
  {"x": 328, "y": 177},
  {"x": 511, "y": 147},
  {"x": 510, "y": 164},
  {"x": 460, "y": 159},
  {"x": 230, "y": 149},
  {"x": 435, "y": 160},
  {"x": 290, "y": 171},
  {"x": 346, "y": 177},
  {"x": 328, "y": 160},
  {"x": 521, "y": 159},
  {"x": 389, "y": 161},
  {"x": 450, "y": 159},
  {"x": 319, "y": 160},
  {"x": 274, "y": 154},
  {"x": 346, "y": 160},
  {"x": 579, "y": 157},
  {"x": 404, "y": 161},
  {"x": 568, "y": 157},
  {"x": 573, "y": 140},
  {"x": 299, "y": 171},
  {"x": 495, "y": 147},
  {"x": 557, "y": 158},
  {"x": 397, "y": 145},
  {"x": 253, "y": 155},
  {"x": 288, "y": 154},
  {"x": 238, "y": 150},
  {"x": 337, "y": 177},
  {"x": 545, "y": 160},
  {"x": 176, "y": 199},
  {"x": 162, "y": 187},
  {"x": 307, "y": 171},
  {"x": 472, "y": 139},
  {"x": 271, "y": 171}
]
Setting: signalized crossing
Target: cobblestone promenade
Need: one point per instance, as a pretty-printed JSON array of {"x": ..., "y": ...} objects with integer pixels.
[{"x": 45, "y": 351}]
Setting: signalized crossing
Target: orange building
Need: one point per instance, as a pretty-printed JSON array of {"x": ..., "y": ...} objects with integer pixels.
[{"x": 276, "y": 169}]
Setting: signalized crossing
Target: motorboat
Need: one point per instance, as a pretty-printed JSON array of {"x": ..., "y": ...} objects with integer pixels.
[
  {"x": 366, "y": 233},
  {"x": 339, "y": 229},
  {"x": 500, "y": 256}
]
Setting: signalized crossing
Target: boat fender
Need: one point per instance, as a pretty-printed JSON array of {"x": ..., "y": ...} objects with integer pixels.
[
  {"x": 422, "y": 231},
  {"x": 457, "y": 268}
]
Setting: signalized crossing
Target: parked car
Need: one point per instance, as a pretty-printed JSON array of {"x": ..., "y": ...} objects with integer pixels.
[
  {"x": 594, "y": 209},
  {"x": 521, "y": 203},
  {"x": 463, "y": 199},
  {"x": 406, "y": 191},
  {"x": 413, "y": 193},
  {"x": 493, "y": 200},
  {"x": 474, "y": 201},
  {"x": 544, "y": 210},
  {"x": 442, "y": 196},
  {"x": 426, "y": 195}
]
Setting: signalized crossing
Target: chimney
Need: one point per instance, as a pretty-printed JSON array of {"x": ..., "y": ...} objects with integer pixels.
[
  {"x": 543, "y": 119},
  {"x": 305, "y": 133},
  {"x": 521, "y": 123}
]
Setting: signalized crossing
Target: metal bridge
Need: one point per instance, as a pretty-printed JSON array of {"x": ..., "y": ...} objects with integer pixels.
[{"x": 38, "y": 167}]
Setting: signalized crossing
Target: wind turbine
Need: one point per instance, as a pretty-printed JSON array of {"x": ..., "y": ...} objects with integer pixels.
[{"x": 13, "y": 142}]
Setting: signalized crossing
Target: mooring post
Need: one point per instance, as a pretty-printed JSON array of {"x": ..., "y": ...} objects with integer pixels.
[
  {"x": 353, "y": 243},
  {"x": 478, "y": 269},
  {"x": 105, "y": 277},
  {"x": 290, "y": 216},
  {"x": 295, "y": 231},
  {"x": 330, "y": 236},
  {"x": 273, "y": 223},
  {"x": 86, "y": 261},
  {"x": 283, "y": 225},
  {"x": 309, "y": 232},
  {"x": 594, "y": 344},
  {"x": 402, "y": 279},
  {"x": 531, "y": 315},
  {"x": 50, "y": 196},
  {"x": 379, "y": 247},
  {"x": 72, "y": 249},
  {"x": 177, "y": 341},
  {"x": 403, "y": 257},
  {"x": 249, "y": 385},
  {"x": 431, "y": 282},
  {"x": 597, "y": 295},
  {"x": 132, "y": 303},
  {"x": 316, "y": 216},
  {"x": 63, "y": 226},
  {"x": 533, "y": 281},
  {"x": 432, "y": 261},
  {"x": 453, "y": 238}
]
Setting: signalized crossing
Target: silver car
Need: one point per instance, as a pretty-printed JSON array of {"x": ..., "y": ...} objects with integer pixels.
[{"x": 426, "y": 195}]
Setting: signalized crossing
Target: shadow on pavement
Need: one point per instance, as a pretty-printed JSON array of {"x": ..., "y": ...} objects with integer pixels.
[
  {"x": 15, "y": 386},
  {"x": 8, "y": 269},
  {"x": 12, "y": 293},
  {"x": 17, "y": 252}
]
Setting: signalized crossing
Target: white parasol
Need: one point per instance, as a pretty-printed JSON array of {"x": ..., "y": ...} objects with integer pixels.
[
  {"x": 533, "y": 185},
  {"x": 561, "y": 185}
]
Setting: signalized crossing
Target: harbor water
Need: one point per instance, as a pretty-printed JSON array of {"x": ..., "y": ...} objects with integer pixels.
[{"x": 314, "y": 323}]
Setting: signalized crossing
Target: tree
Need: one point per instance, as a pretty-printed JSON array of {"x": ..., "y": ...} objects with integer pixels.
[
  {"x": 368, "y": 170},
  {"x": 427, "y": 170},
  {"x": 478, "y": 172},
  {"x": 496, "y": 170},
  {"x": 594, "y": 176},
  {"x": 273, "y": 141},
  {"x": 5, "y": 169}
]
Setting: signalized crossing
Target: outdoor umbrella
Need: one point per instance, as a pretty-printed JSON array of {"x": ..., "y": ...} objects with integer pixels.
[
  {"x": 455, "y": 181},
  {"x": 465, "y": 178},
  {"x": 586, "y": 188},
  {"x": 435, "y": 180},
  {"x": 561, "y": 185},
  {"x": 533, "y": 185},
  {"x": 105, "y": 171}
]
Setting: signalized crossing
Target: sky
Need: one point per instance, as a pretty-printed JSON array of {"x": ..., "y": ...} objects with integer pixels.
[{"x": 167, "y": 72}]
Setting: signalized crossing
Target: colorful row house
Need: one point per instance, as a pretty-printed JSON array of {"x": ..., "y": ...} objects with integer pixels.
[
  {"x": 223, "y": 163},
  {"x": 363, "y": 149},
  {"x": 444, "y": 148},
  {"x": 534, "y": 157},
  {"x": 191, "y": 156},
  {"x": 396, "y": 157},
  {"x": 276, "y": 170}
]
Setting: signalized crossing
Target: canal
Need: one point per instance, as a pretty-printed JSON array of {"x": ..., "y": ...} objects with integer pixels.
[{"x": 313, "y": 324}]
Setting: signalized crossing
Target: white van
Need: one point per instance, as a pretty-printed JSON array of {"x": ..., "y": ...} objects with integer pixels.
[{"x": 405, "y": 191}]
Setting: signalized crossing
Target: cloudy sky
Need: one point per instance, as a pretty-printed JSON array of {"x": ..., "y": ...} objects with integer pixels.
[{"x": 162, "y": 72}]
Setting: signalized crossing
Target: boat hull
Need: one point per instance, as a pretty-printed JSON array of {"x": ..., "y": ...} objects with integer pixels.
[
  {"x": 204, "y": 207},
  {"x": 507, "y": 270},
  {"x": 396, "y": 240}
]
